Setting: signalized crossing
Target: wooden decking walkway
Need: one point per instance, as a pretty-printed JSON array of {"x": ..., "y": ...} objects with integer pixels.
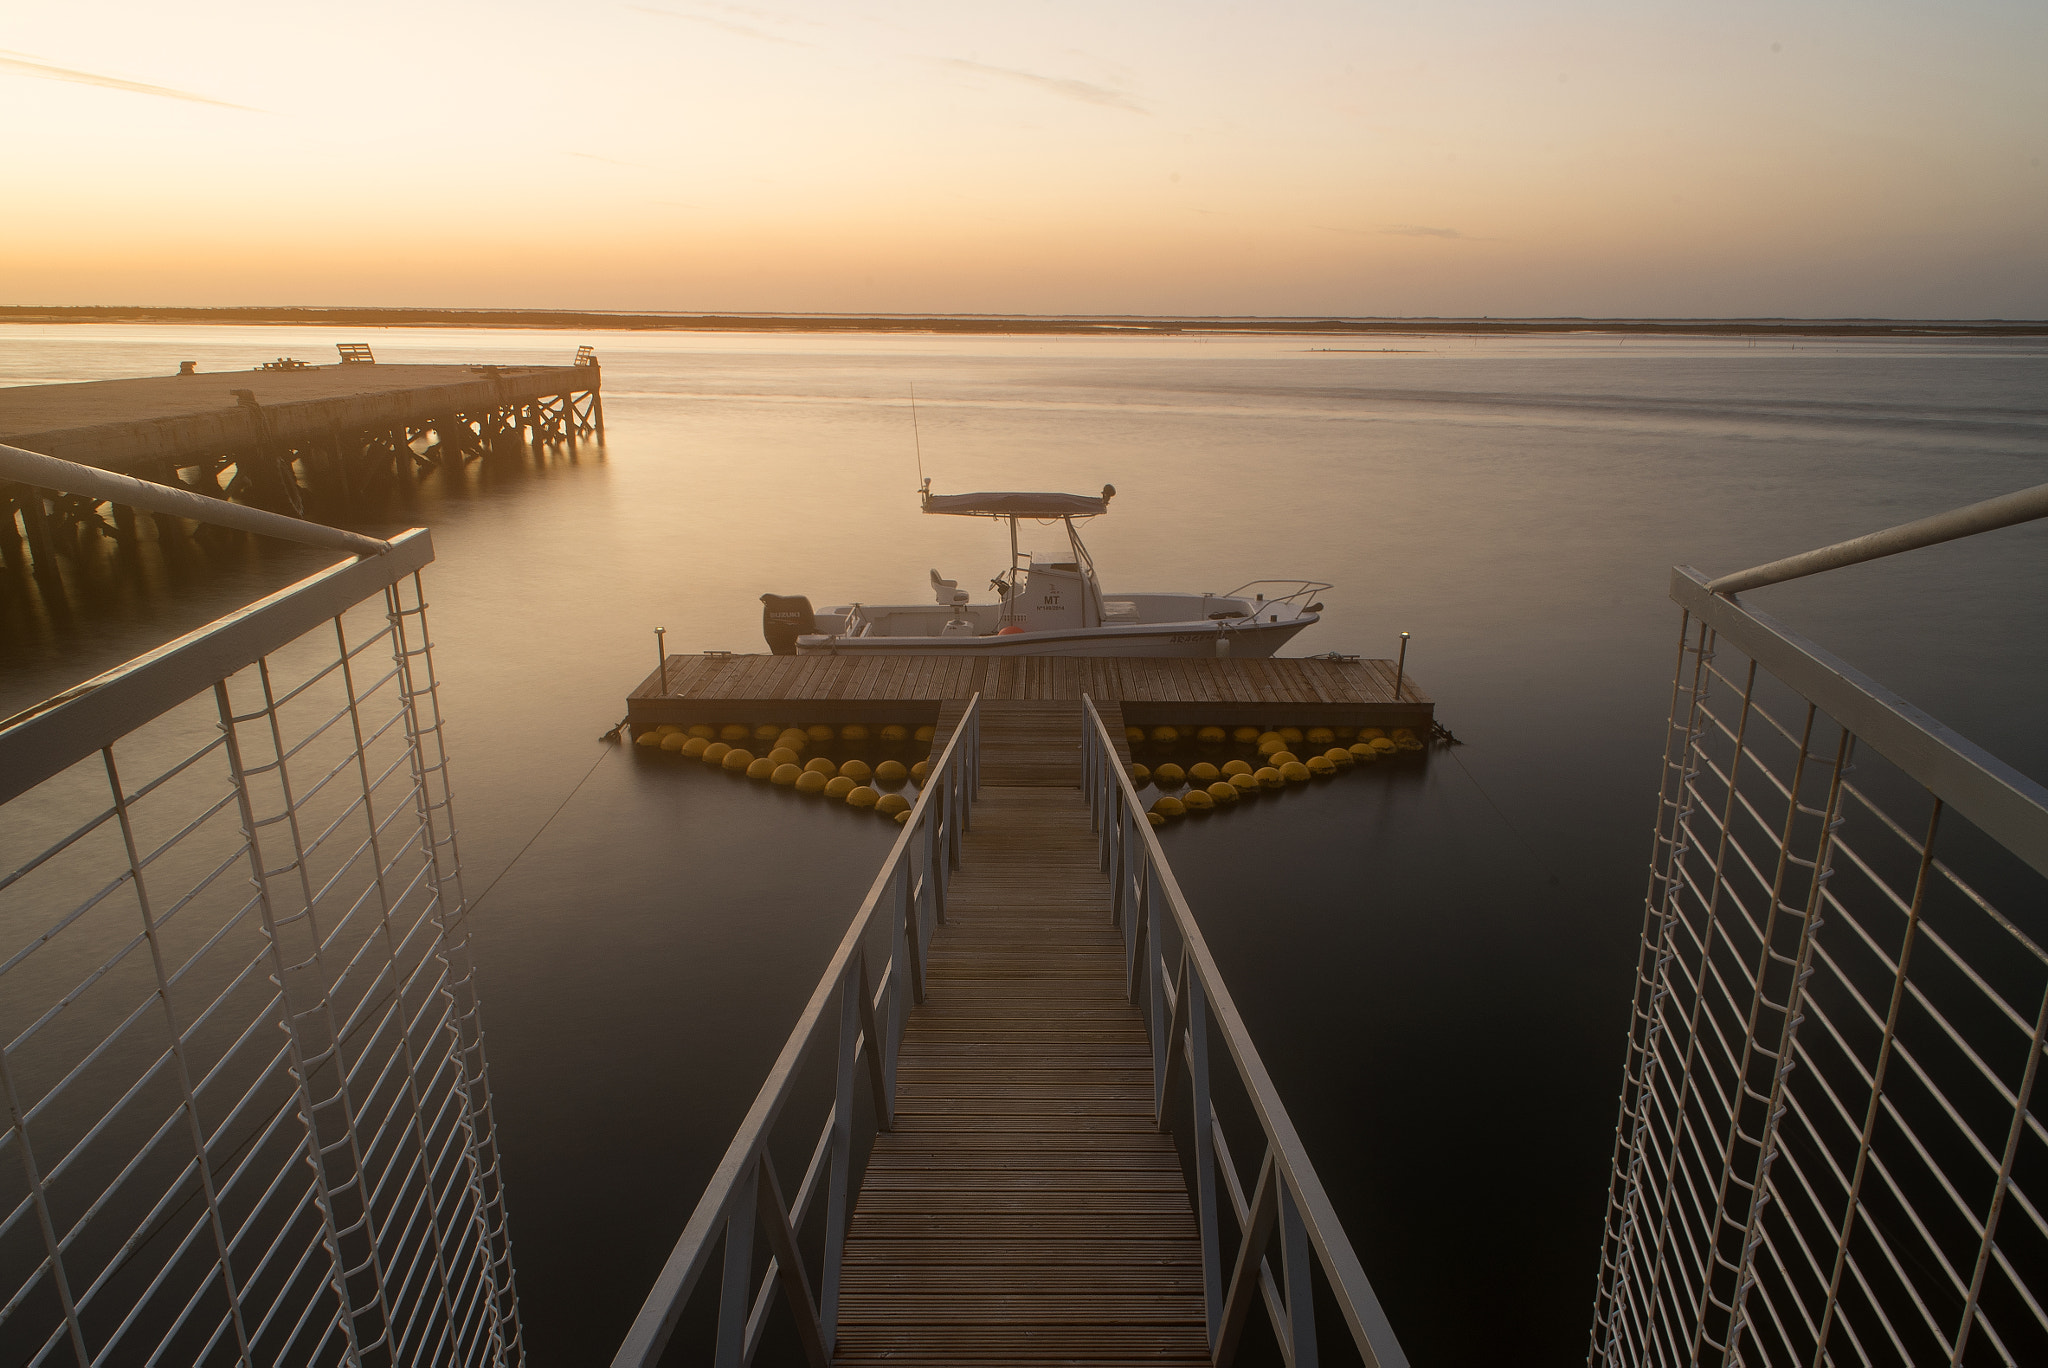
[
  {"x": 1025, "y": 1209},
  {"x": 1303, "y": 691}
]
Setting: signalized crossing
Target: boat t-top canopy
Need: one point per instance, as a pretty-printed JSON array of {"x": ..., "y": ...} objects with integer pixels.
[{"x": 1006, "y": 505}]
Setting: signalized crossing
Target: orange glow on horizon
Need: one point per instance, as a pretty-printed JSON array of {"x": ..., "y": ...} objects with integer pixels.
[{"x": 1319, "y": 158}]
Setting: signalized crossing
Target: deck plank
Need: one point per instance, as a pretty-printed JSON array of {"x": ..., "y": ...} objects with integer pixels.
[{"x": 1025, "y": 1209}]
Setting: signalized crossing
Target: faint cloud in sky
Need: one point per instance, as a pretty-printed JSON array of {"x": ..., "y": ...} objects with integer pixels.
[
  {"x": 742, "y": 30},
  {"x": 1413, "y": 230},
  {"x": 609, "y": 161},
  {"x": 1084, "y": 91},
  {"x": 16, "y": 62}
]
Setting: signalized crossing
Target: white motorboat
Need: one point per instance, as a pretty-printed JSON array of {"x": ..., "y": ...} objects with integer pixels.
[{"x": 1046, "y": 603}]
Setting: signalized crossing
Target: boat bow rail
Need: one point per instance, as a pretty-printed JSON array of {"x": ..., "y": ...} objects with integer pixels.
[{"x": 1170, "y": 972}]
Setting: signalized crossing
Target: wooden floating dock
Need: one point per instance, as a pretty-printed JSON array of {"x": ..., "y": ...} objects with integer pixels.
[
  {"x": 914, "y": 690},
  {"x": 318, "y": 439}
]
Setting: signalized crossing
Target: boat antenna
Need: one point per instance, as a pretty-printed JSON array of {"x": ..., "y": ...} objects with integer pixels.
[{"x": 915, "y": 440}]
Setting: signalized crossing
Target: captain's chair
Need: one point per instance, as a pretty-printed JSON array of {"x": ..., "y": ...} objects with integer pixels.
[{"x": 949, "y": 592}]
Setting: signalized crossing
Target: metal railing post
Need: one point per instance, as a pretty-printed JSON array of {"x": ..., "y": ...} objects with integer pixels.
[
  {"x": 838, "y": 1198},
  {"x": 735, "y": 1292},
  {"x": 1205, "y": 1152}
]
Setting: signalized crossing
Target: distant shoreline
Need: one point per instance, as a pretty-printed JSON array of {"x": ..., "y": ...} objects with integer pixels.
[{"x": 1107, "y": 325}]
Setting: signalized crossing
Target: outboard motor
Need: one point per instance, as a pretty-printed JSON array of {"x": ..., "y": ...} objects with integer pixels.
[{"x": 784, "y": 619}]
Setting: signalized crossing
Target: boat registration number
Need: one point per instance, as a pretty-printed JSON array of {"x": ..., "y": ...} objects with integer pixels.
[{"x": 1191, "y": 636}]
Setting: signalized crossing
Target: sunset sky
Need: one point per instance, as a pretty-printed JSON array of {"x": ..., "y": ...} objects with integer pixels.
[{"x": 1286, "y": 157}]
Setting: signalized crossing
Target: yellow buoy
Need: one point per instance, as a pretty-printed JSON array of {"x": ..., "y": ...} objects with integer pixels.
[
  {"x": 902, "y": 817},
  {"x": 810, "y": 781},
  {"x": 1294, "y": 772},
  {"x": 1197, "y": 800},
  {"x": 856, "y": 770},
  {"x": 1270, "y": 778},
  {"x": 737, "y": 760},
  {"x": 1408, "y": 743},
  {"x": 667, "y": 727},
  {"x": 892, "y": 772},
  {"x": 1155, "y": 819},
  {"x": 1169, "y": 776},
  {"x": 862, "y": 797},
  {"x": 1141, "y": 775},
  {"x": 818, "y": 732},
  {"x": 1204, "y": 773},
  {"x": 1400, "y": 734},
  {"x": 703, "y": 729},
  {"x": 767, "y": 731},
  {"x": 1345, "y": 733},
  {"x": 783, "y": 755},
  {"x": 889, "y": 804},
  {"x": 764, "y": 768},
  {"x": 1383, "y": 745},
  {"x": 1270, "y": 743},
  {"x": 1169, "y": 806},
  {"x": 1166, "y": 736},
  {"x": 1321, "y": 765},
  {"x": 919, "y": 770},
  {"x": 1134, "y": 736},
  {"x": 892, "y": 732},
  {"x": 924, "y": 734},
  {"x": 1319, "y": 736},
  {"x": 1212, "y": 736},
  {"x": 1370, "y": 733},
  {"x": 1245, "y": 785},
  {"x": 1363, "y": 751},
  {"x": 1291, "y": 735},
  {"x": 1223, "y": 791},
  {"x": 696, "y": 746},
  {"x": 793, "y": 739},
  {"x": 1341, "y": 758},
  {"x": 821, "y": 766},
  {"x": 1245, "y": 736},
  {"x": 1279, "y": 759},
  {"x": 734, "y": 731},
  {"x": 839, "y": 788},
  {"x": 786, "y": 775},
  {"x": 713, "y": 752},
  {"x": 1231, "y": 767},
  {"x": 853, "y": 731},
  {"x": 655, "y": 740}
]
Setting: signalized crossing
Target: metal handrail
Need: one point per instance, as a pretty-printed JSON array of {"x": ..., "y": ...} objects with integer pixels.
[
  {"x": 1183, "y": 990},
  {"x": 68, "y": 477},
  {"x": 2023, "y": 505},
  {"x": 871, "y": 1011}
]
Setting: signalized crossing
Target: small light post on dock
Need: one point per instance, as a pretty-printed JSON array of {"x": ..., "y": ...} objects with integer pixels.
[
  {"x": 1400, "y": 668},
  {"x": 661, "y": 656}
]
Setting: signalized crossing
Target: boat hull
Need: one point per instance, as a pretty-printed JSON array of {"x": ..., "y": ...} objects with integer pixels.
[{"x": 1185, "y": 639}]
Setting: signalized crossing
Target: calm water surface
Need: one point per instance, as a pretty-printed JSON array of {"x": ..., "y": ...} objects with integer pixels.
[{"x": 1437, "y": 969}]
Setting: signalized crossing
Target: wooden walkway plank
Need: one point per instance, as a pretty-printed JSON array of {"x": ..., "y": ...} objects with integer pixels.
[{"x": 1025, "y": 1209}]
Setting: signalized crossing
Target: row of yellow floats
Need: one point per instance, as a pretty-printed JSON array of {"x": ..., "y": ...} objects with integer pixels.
[
  {"x": 1209, "y": 786},
  {"x": 784, "y": 764}
]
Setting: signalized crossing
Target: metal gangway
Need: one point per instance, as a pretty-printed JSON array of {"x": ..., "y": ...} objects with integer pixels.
[
  {"x": 1830, "y": 1147},
  {"x": 912, "y": 1184},
  {"x": 248, "y": 1116}
]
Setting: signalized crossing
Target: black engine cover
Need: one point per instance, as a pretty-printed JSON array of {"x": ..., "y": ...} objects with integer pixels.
[{"x": 784, "y": 619}]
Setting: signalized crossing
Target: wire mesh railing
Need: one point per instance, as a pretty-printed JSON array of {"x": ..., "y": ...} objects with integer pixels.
[
  {"x": 1275, "y": 1230},
  {"x": 248, "y": 1116},
  {"x": 1830, "y": 1148},
  {"x": 862, "y": 1004}
]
